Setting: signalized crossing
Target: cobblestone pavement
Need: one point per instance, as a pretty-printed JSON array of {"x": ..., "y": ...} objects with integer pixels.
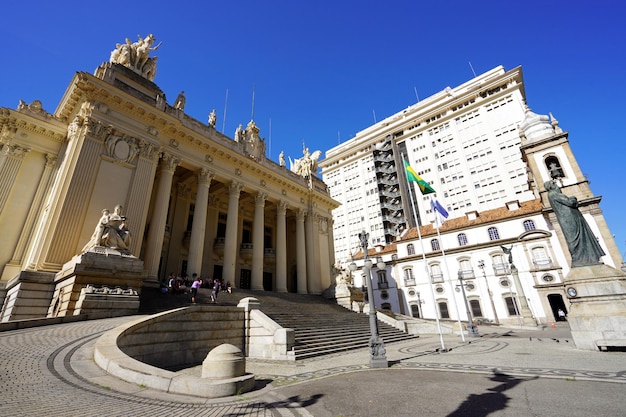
[
  {"x": 49, "y": 371},
  {"x": 38, "y": 379}
]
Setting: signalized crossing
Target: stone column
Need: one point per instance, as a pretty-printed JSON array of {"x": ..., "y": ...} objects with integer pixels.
[
  {"x": 230, "y": 240},
  {"x": 72, "y": 192},
  {"x": 198, "y": 227},
  {"x": 154, "y": 244},
  {"x": 11, "y": 157},
  {"x": 325, "y": 254},
  {"x": 139, "y": 195},
  {"x": 301, "y": 252},
  {"x": 527, "y": 315},
  {"x": 281, "y": 247},
  {"x": 257, "y": 241},
  {"x": 312, "y": 253},
  {"x": 22, "y": 251}
]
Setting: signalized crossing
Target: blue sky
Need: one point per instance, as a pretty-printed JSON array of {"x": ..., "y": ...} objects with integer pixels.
[{"x": 322, "y": 71}]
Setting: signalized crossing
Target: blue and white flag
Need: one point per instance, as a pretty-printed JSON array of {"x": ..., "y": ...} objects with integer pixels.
[{"x": 440, "y": 213}]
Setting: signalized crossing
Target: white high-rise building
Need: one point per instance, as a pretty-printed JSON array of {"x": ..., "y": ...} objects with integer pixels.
[
  {"x": 501, "y": 256},
  {"x": 463, "y": 141}
]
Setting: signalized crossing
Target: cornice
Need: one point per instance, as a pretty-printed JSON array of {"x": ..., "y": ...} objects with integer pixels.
[
  {"x": 16, "y": 127},
  {"x": 197, "y": 145},
  {"x": 419, "y": 113}
]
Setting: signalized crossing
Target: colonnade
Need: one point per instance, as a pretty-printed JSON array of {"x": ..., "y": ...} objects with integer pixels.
[{"x": 312, "y": 276}]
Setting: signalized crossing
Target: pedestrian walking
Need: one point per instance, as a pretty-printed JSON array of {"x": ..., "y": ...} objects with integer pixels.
[
  {"x": 170, "y": 283},
  {"x": 194, "y": 287},
  {"x": 215, "y": 291}
]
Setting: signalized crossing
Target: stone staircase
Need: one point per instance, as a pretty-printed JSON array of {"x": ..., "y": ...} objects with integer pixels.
[{"x": 321, "y": 326}]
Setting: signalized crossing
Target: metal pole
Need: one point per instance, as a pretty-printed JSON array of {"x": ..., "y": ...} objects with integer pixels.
[
  {"x": 481, "y": 265},
  {"x": 472, "y": 330},
  {"x": 376, "y": 345},
  {"x": 514, "y": 301}
]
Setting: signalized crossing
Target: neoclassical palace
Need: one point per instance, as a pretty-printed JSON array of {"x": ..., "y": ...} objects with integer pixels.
[{"x": 192, "y": 199}]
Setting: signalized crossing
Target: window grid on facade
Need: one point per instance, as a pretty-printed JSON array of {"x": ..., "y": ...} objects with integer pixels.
[
  {"x": 410, "y": 249},
  {"x": 462, "y": 239},
  {"x": 434, "y": 244},
  {"x": 529, "y": 225},
  {"x": 493, "y": 233}
]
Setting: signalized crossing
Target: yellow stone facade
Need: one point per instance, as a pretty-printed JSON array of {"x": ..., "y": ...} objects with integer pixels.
[{"x": 196, "y": 200}]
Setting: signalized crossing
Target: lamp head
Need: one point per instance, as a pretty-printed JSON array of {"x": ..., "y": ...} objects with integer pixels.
[
  {"x": 368, "y": 263},
  {"x": 379, "y": 263},
  {"x": 352, "y": 266}
]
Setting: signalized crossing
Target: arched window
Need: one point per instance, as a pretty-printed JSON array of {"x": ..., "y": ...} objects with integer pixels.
[
  {"x": 500, "y": 264},
  {"x": 465, "y": 268},
  {"x": 435, "y": 273},
  {"x": 410, "y": 249},
  {"x": 493, "y": 233},
  {"x": 554, "y": 167},
  {"x": 529, "y": 225},
  {"x": 462, "y": 239},
  {"x": 382, "y": 280},
  {"x": 409, "y": 279},
  {"x": 540, "y": 257},
  {"x": 434, "y": 244}
]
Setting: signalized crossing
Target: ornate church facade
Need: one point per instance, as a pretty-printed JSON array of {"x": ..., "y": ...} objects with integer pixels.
[{"x": 193, "y": 199}]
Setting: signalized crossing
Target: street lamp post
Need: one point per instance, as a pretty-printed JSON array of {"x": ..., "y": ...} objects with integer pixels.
[
  {"x": 481, "y": 265},
  {"x": 419, "y": 305},
  {"x": 376, "y": 345},
  {"x": 472, "y": 329}
]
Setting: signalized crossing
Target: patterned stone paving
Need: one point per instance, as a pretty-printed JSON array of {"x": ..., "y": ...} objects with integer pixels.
[
  {"x": 49, "y": 371},
  {"x": 37, "y": 375}
]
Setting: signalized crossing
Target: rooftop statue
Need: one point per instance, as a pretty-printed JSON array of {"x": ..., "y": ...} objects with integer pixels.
[
  {"x": 581, "y": 242},
  {"x": 281, "y": 158},
  {"x": 212, "y": 119},
  {"x": 307, "y": 165},
  {"x": 136, "y": 56},
  {"x": 179, "y": 104}
]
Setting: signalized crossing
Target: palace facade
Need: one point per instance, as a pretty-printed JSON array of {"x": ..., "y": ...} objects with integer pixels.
[{"x": 194, "y": 200}]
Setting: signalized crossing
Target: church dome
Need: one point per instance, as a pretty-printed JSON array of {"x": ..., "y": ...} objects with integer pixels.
[{"x": 536, "y": 126}]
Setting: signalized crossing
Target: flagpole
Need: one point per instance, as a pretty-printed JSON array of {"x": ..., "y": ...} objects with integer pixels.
[
  {"x": 443, "y": 254},
  {"x": 430, "y": 286}
]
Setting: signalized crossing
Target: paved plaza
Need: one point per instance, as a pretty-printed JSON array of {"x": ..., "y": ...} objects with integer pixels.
[{"x": 49, "y": 371}]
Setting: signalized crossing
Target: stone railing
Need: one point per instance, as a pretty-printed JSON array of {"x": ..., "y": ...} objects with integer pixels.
[
  {"x": 265, "y": 339},
  {"x": 139, "y": 351}
]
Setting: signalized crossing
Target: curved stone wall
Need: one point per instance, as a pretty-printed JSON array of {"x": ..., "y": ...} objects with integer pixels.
[{"x": 143, "y": 350}]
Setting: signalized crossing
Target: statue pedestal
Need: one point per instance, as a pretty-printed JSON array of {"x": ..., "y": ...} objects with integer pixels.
[
  {"x": 99, "y": 267},
  {"x": 597, "y": 315}
]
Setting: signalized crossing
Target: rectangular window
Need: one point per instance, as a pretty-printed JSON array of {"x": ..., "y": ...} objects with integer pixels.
[
  {"x": 511, "y": 305},
  {"x": 443, "y": 310},
  {"x": 475, "y": 306}
]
